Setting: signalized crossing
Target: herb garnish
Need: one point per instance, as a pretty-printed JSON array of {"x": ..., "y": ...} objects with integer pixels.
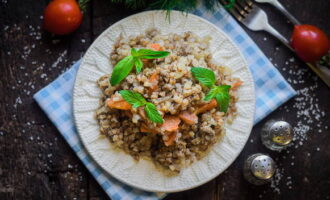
[
  {"x": 220, "y": 93},
  {"x": 125, "y": 66},
  {"x": 137, "y": 100}
]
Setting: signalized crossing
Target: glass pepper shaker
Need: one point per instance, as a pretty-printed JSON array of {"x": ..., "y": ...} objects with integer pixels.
[
  {"x": 259, "y": 169},
  {"x": 276, "y": 135}
]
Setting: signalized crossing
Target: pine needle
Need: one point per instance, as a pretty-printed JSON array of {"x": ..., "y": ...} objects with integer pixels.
[
  {"x": 83, "y": 4},
  {"x": 211, "y": 5},
  {"x": 135, "y": 4}
]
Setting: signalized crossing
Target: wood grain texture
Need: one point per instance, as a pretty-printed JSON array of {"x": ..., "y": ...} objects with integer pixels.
[{"x": 36, "y": 163}]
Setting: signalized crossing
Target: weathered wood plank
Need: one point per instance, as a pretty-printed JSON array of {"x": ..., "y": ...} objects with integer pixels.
[{"x": 36, "y": 163}]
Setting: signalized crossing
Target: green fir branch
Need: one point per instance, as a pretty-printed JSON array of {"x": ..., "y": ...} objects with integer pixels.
[
  {"x": 188, "y": 5},
  {"x": 83, "y": 4},
  {"x": 168, "y": 5}
]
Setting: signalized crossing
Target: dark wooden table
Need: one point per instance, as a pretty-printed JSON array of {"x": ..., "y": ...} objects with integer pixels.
[{"x": 36, "y": 162}]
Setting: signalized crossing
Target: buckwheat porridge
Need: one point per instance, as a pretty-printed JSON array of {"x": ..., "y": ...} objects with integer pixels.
[{"x": 165, "y": 99}]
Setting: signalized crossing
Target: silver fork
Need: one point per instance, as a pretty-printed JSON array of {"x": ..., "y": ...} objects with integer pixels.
[
  {"x": 255, "y": 19},
  {"x": 282, "y": 9}
]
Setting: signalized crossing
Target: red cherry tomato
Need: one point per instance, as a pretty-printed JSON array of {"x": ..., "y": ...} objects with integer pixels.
[
  {"x": 62, "y": 16},
  {"x": 309, "y": 42}
]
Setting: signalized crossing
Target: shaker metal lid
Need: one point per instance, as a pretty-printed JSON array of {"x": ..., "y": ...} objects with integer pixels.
[
  {"x": 281, "y": 133},
  {"x": 263, "y": 167}
]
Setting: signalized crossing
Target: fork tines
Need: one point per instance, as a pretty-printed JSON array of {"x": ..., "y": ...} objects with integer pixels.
[{"x": 240, "y": 9}]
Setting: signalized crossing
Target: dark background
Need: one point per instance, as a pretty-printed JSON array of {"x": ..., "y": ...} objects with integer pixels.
[{"x": 36, "y": 162}]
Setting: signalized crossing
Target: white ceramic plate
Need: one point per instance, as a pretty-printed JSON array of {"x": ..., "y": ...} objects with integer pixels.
[{"x": 143, "y": 174}]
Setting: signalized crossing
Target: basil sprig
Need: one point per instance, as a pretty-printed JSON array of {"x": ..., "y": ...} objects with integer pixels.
[
  {"x": 125, "y": 66},
  {"x": 220, "y": 93},
  {"x": 137, "y": 100}
]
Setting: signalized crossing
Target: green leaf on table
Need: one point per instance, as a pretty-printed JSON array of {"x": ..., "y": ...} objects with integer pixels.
[
  {"x": 133, "y": 98},
  {"x": 121, "y": 70},
  {"x": 229, "y": 4},
  {"x": 152, "y": 113},
  {"x": 204, "y": 76}
]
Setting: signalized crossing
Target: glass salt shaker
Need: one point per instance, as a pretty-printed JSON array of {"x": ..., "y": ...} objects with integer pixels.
[
  {"x": 259, "y": 169},
  {"x": 276, "y": 135}
]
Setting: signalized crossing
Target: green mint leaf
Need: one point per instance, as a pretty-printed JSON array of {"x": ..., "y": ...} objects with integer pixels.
[
  {"x": 152, "y": 113},
  {"x": 223, "y": 97},
  {"x": 150, "y": 54},
  {"x": 138, "y": 65},
  {"x": 121, "y": 70},
  {"x": 204, "y": 76},
  {"x": 137, "y": 100},
  {"x": 212, "y": 93},
  {"x": 133, "y": 52},
  {"x": 133, "y": 98}
]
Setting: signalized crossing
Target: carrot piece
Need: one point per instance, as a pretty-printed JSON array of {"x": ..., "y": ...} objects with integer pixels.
[
  {"x": 118, "y": 104},
  {"x": 171, "y": 123},
  {"x": 188, "y": 118},
  {"x": 171, "y": 139},
  {"x": 154, "y": 81},
  {"x": 236, "y": 85},
  {"x": 206, "y": 107},
  {"x": 145, "y": 129},
  {"x": 156, "y": 46},
  {"x": 153, "y": 77}
]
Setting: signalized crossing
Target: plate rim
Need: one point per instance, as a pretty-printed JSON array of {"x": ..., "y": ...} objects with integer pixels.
[{"x": 142, "y": 187}]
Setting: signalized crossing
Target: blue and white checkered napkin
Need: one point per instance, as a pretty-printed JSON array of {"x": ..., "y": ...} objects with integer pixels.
[{"x": 56, "y": 100}]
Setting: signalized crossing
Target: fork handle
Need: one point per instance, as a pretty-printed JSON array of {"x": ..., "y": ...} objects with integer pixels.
[
  {"x": 283, "y": 10},
  {"x": 278, "y": 35}
]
